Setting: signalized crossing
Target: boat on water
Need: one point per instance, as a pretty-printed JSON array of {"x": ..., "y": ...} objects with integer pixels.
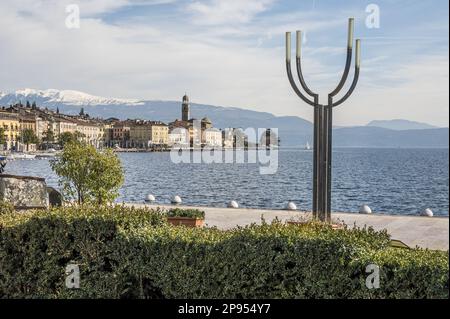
[
  {"x": 307, "y": 146},
  {"x": 45, "y": 155},
  {"x": 21, "y": 156}
]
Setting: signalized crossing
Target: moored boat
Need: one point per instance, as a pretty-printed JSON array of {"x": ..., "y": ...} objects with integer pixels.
[{"x": 21, "y": 156}]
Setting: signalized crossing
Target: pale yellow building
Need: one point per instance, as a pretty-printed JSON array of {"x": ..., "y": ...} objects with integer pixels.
[
  {"x": 148, "y": 133},
  {"x": 28, "y": 122},
  {"x": 62, "y": 125},
  {"x": 11, "y": 129},
  {"x": 92, "y": 133}
]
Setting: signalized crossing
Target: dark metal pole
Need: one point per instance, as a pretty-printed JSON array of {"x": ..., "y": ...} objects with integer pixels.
[
  {"x": 322, "y": 172},
  {"x": 329, "y": 155},
  {"x": 323, "y": 122},
  {"x": 316, "y": 164},
  {"x": 320, "y": 161}
]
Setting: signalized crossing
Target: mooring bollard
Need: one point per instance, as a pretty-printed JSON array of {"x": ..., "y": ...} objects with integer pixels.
[
  {"x": 233, "y": 204},
  {"x": 427, "y": 213},
  {"x": 150, "y": 198},
  {"x": 176, "y": 200},
  {"x": 364, "y": 209},
  {"x": 291, "y": 206}
]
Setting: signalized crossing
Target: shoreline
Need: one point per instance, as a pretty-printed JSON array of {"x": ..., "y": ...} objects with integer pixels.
[{"x": 425, "y": 232}]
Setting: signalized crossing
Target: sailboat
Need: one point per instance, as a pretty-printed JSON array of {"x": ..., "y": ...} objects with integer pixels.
[{"x": 307, "y": 146}]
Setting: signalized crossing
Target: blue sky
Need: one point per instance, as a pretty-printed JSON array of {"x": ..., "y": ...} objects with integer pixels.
[{"x": 231, "y": 52}]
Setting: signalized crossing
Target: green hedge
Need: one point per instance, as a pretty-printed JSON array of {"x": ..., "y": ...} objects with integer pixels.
[{"x": 134, "y": 253}]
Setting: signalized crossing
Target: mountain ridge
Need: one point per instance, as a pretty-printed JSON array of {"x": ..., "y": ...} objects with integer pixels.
[
  {"x": 400, "y": 124},
  {"x": 293, "y": 130}
]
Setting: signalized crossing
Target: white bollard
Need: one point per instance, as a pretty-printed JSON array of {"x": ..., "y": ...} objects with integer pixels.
[
  {"x": 291, "y": 206},
  {"x": 364, "y": 209},
  {"x": 176, "y": 200},
  {"x": 427, "y": 213},
  {"x": 233, "y": 204},
  {"x": 150, "y": 198}
]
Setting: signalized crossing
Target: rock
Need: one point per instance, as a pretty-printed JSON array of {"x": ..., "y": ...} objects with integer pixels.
[
  {"x": 24, "y": 192},
  {"x": 364, "y": 209},
  {"x": 291, "y": 206},
  {"x": 233, "y": 204},
  {"x": 427, "y": 213},
  {"x": 176, "y": 200},
  {"x": 150, "y": 198},
  {"x": 54, "y": 197}
]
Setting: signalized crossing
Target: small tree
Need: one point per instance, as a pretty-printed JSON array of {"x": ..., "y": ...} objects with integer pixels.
[
  {"x": 48, "y": 136},
  {"x": 2, "y": 137},
  {"x": 28, "y": 137},
  {"x": 68, "y": 137},
  {"x": 88, "y": 175}
]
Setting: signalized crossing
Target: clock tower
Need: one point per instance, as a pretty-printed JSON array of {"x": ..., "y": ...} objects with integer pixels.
[{"x": 185, "y": 112}]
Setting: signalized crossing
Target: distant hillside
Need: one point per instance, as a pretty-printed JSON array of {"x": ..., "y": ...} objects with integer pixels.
[
  {"x": 293, "y": 131},
  {"x": 380, "y": 137},
  {"x": 401, "y": 125}
]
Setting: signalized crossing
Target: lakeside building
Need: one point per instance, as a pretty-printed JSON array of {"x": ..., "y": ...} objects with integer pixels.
[
  {"x": 11, "y": 128},
  {"x": 200, "y": 132},
  {"x": 146, "y": 134},
  {"x": 92, "y": 132},
  {"x": 212, "y": 137},
  {"x": 43, "y": 121},
  {"x": 120, "y": 134},
  {"x": 179, "y": 136},
  {"x": 49, "y": 125},
  {"x": 234, "y": 138}
]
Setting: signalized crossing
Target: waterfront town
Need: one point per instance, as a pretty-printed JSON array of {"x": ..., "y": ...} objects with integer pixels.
[{"x": 30, "y": 128}]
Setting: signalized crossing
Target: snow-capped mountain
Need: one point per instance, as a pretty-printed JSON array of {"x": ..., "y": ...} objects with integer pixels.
[
  {"x": 53, "y": 97},
  {"x": 292, "y": 130}
]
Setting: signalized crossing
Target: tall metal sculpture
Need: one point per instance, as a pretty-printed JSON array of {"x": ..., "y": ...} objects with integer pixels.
[{"x": 323, "y": 120}]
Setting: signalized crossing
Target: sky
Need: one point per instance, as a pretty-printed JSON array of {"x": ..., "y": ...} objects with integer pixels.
[{"x": 232, "y": 52}]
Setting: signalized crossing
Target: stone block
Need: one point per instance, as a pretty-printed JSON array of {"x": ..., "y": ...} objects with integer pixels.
[{"x": 24, "y": 192}]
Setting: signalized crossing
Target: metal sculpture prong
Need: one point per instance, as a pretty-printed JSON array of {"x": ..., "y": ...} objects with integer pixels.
[{"x": 323, "y": 119}]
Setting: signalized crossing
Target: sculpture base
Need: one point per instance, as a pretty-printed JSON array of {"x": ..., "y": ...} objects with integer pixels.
[{"x": 24, "y": 192}]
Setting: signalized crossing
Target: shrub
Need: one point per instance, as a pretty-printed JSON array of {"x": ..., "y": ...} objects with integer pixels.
[
  {"x": 6, "y": 207},
  {"x": 133, "y": 253},
  {"x": 190, "y": 213}
]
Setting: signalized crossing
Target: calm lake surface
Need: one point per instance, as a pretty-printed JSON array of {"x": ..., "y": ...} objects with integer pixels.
[{"x": 394, "y": 181}]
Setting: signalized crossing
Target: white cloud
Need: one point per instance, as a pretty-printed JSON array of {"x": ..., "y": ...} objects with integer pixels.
[
  {"x": 216, "y": 12},
  {"x": 232, "y": 64}
]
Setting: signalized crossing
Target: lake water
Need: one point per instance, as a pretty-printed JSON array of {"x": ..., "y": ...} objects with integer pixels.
[{"x": 394, "y": 181}]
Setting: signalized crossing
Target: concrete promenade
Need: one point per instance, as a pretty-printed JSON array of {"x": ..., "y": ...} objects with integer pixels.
[{"x": 425, "y": 232}]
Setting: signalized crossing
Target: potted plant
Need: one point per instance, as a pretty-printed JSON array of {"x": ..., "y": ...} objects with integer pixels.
[{"x": 186, "y": 217}]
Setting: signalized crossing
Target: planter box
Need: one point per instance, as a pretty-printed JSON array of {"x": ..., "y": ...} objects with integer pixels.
[{"x": 185, "y": 221}]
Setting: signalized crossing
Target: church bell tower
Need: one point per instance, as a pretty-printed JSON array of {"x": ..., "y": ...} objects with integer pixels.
[{"x": 185, "y": 112}]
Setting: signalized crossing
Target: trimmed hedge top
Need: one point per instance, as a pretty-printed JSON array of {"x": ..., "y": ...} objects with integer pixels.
[{"x": 133, "y": 253}]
